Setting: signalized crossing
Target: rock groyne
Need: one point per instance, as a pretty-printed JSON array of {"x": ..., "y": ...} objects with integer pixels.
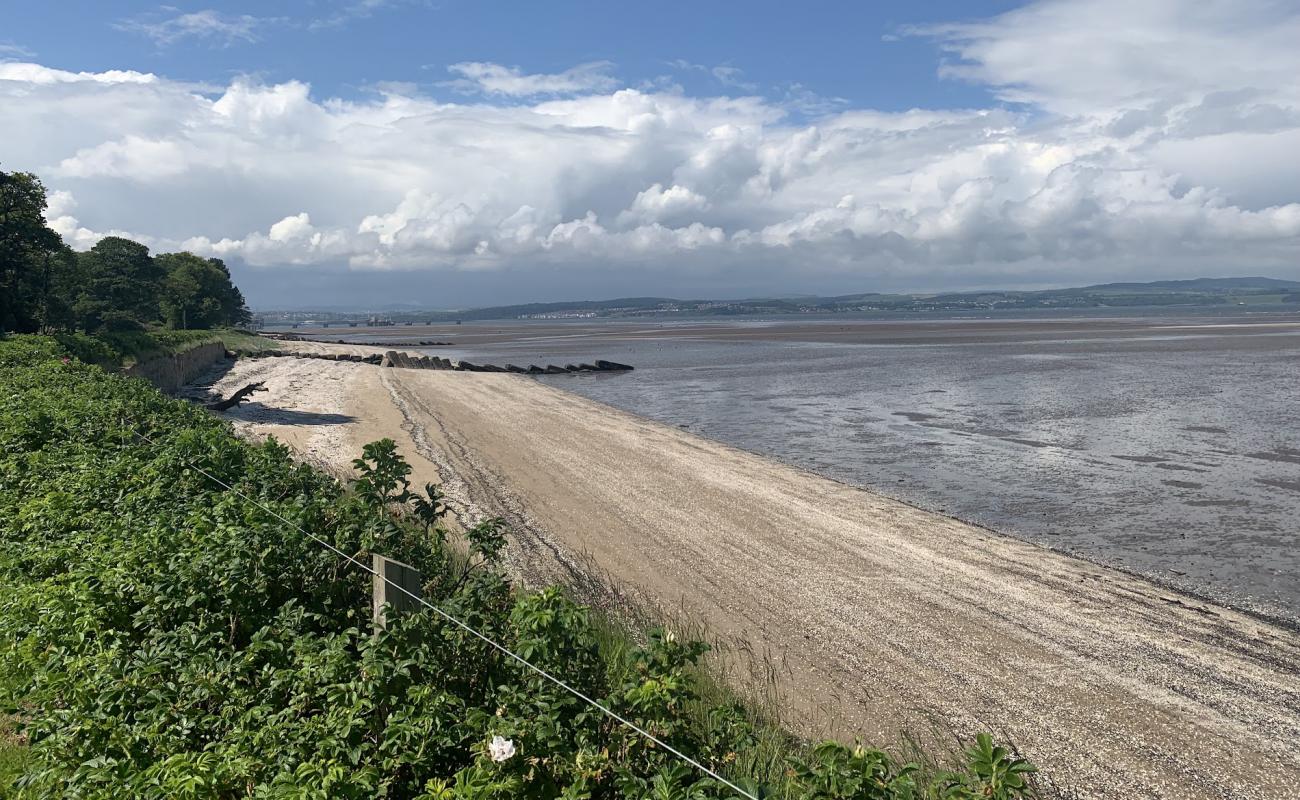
[{"x": 399, "y": 359}]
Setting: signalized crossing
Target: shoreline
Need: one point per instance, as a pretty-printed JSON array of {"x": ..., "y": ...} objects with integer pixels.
[{"x": 916, "y": 615}]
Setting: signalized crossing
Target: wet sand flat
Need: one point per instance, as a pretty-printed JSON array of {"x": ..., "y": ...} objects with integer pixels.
[
  {"x": 1160, "y": 448},
  {"x": 888, "y": 616},
  {"x": 900, "y": 330}
]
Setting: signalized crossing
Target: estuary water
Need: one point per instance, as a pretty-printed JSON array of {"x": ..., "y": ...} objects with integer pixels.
[{"x": 1165, "y": 446}]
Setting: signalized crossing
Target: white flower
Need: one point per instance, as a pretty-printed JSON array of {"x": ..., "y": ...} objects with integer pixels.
[{"x": 501, "y": 748}]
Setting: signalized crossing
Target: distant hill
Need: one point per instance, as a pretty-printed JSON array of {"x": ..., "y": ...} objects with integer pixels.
[
  {"x": 1254, "y": 291},
  {"x": 1198, "y": 285}
]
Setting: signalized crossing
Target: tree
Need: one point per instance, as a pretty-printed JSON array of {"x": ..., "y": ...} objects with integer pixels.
[
  {"x": 122, "y": 286},
  {"x": 198, "y": 293},
  {"x": 27, "y": 246},
  {"x": 58, "y": 284},
  {"x": 115, "y": 285},
  {"x": 234, "y": 309}
]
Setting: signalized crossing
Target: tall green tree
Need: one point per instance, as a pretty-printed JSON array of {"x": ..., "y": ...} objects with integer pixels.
[
  {"x": 123, "y": 285},
  {"x": 198, "y": 293},
  {"x": 27, "y": 248},
  {"x": 57, "y": 282}
]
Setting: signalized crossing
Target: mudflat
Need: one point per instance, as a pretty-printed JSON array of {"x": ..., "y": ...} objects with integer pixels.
[
  {"x": 898, "y": 330},
  {"x": 885, "y": 617}
]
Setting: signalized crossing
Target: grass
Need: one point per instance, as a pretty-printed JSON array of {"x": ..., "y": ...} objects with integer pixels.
[
  {"x": 140, "y": 346},
  {"x": 120, "y": 349}
]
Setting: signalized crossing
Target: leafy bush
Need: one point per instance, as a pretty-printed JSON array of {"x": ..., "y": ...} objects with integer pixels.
[{"x": 168, "y": 638}]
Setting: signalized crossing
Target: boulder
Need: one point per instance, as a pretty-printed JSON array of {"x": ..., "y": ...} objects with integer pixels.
[
  {"x": 533, "y": 369},
  {"x": 513, "y": 368},
  {"x": 388, "y": 359},
  {"x": 551, "y": 369},
  {"x": 588, "y": 367},
  {"x": 571, "y": 368},
  {"x": 610, "y": 366}
]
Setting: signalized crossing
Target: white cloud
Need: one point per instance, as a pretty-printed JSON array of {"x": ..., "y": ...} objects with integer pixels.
[
  {"x": 1176, "y": 171},
  {"x": 733, "y": 77},
  {"x": 1086, "y": 55},
  {"x": 656, "y": 204},
  {"x": 360, "y": 9},
  {"x": 131, "y": 158},
  {"x": 26, "y": 72},
  {"x": 291, "y": 229},
  {"x": 495, "y": 79},
  {"x": 206, "y": 25},
  {"x": 10, "y": 50},
  {"x": 725, "y": 74}
]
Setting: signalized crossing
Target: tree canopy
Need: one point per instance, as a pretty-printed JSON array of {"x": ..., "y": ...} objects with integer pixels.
[
  {"x": 198, "y": 293},
  {"x": 116, "y": 285}
]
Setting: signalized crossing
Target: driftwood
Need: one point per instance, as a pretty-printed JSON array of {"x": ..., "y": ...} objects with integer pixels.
[{"x": 237, "y": 398}]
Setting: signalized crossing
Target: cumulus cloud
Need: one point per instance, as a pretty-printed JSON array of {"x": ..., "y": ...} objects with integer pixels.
[
  {"x": 656, "y": 204},
  {"x": 207, "y": 25},
  {"x": 495, "y": 79},
  {"x": 571, "y": 177}
]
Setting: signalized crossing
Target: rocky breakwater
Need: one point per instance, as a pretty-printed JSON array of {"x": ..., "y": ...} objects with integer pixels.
[
  {"x": 373, "y": 358},
  {"x": 403, "y": 360},
  {"x": 400, "y": 360}
]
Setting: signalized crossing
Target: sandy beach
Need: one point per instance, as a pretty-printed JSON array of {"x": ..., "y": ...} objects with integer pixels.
[{"x": 884, "y": 617}]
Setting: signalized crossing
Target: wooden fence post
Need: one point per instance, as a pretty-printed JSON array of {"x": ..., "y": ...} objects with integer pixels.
[{"x": 387, "y": 573}]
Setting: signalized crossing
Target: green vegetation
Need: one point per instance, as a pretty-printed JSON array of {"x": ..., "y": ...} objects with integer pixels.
[
  {"x": 162, "y": 637},
  {"x": 113, "y": 349},
  {"x": 115, "y": 286}
]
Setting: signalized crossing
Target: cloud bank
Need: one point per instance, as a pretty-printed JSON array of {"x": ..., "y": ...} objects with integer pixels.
[{"x": 1126, "y": 139}]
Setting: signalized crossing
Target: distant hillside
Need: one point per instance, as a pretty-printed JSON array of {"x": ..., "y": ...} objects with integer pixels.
[
  {"x": 1255, "y": 291},
  {"x": 1198, "y": 285}
]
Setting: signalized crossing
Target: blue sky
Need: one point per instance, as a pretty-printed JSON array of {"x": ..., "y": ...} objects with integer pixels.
[
  {"x": 365, "y": 152},
  {"x": 848, "y": 50}
]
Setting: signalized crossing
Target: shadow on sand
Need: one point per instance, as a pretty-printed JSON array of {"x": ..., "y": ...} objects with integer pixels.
[{"x": 257, "y": 412}]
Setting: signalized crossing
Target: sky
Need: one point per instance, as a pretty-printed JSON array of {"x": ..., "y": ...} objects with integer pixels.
[{"x": 446, "y": 153}]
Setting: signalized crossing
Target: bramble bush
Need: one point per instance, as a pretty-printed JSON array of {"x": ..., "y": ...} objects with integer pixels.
[{"x": 167, "y": 638}]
